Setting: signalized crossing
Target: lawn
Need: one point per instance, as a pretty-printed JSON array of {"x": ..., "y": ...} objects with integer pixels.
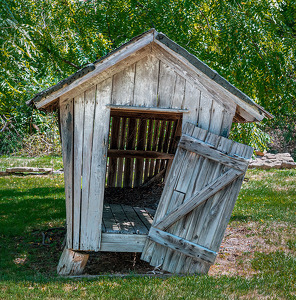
[{"x": 257, "y": 257}]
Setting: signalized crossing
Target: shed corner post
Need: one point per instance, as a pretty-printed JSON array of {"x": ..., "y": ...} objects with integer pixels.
[{"x": 72, "y": 262}]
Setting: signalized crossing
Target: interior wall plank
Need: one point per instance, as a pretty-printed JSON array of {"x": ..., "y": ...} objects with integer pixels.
[{"x": 112, "y": 170}]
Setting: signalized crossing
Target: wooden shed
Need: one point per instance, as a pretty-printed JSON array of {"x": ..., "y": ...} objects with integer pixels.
[{"x": 149, "y": 110}]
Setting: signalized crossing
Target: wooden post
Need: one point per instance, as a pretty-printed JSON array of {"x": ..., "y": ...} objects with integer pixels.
[{"x": 72, "y": 262}]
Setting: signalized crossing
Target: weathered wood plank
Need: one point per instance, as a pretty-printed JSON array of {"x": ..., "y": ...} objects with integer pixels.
[
  {"x": 123, "y": 87},
  {"x": 135, "y": 220},
  {"x": 121, "y": 145},
  {"x": 192, "y": 144},
  {"x": 198, "y": 199},
  {"x": 125, "y": 226},
  {"x": 181, "y": 245},
  {"x": 205, "y": 109},
  {"x": 144, "y": 216},
  {"x": 112, "y": 170},
  {"x": 159, "y": 111},
  {"x": 66, "y": 117},
  {"x": 139, "y": 165},
  {"x": 130, "y": 145},
  {"x": 167, "y": 78},
  {"x": 151, "y": 250},
  {"x": 72, "y": 263},
  {"x": 77, "y": 171},
  {"x": 139, "y": 154},
  {"x": 123, "y": 242},
  {"x": 192, "y": 102},
  {"x": 179, "y": 92},
  {"x": 98, "y": 164},
  {"x": 148, "y": 148},
  {"x": 146, "y": 81},
  {"x": 86, "y": 162},
  {"x": 28, "y": 169}
]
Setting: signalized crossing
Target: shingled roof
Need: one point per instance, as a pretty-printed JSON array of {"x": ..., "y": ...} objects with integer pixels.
[{"x": 67, "y": 84}]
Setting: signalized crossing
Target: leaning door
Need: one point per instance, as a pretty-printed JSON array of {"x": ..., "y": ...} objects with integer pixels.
[{"x": 197, "y": 202}]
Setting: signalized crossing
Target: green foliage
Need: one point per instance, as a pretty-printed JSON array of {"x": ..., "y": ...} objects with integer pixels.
[
  {"x": 251, "y": 43},
  {"x": 250, "y": 134}
]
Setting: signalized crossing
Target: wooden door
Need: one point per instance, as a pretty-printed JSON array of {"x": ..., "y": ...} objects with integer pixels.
[{"x": 197, "y": 202}]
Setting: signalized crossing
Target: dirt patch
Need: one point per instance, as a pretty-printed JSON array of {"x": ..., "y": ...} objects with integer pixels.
[
  {"x": 238, "y": 248},
  {"x": 241, "y": 242},
  {"x": 139, "y": 196}
]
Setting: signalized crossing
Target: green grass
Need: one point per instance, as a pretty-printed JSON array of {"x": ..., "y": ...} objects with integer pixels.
[
  {"x": 43, "y": 161},
  {"x": 30, "y": 205}
]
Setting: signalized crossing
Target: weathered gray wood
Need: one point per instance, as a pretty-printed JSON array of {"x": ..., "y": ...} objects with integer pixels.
[
  {"x": 144, "y": 216},
  {"x": 181, "y": 245},
  {"x": 86, "y": 161},
  {"x": 121, "y": 145},
  {"x": 112, "y": 170},
  {"x": 123, "y": 87},
  {"x": 216, "y": 118},
  {"x": 141, "y": 143},
  {"x": 139, "y": 154},
  {"x": 207, "y": 175},
  {"x": 130, "y": 145},
  {"x": 201, "y": 214},
  {"x": 200, "y": 171},
  {"x": 28, "y": 169},
  {"x": 123, "y": 242},
  {"x": 66, "y": 117},
  {"x": 111, "y": 224},
  {"x": 192, "y": 102},
  {"x": 152, "y": 251},
  {"x": 148, "y": 148},
  {"x": 135, "y": 220},
  {"x": 149, "y": 109},
  {"x": 146, "y": 82},
  {"x": 167, "y": 78},
  {"x": 179, "y": 93},
  {"x": 198, "y": 199},
  {"x": 72, "y": 263},
  {"x": 122, "y": 219},
  {"x": 207, "y": 151},
  {"x": 77, "y": 171},
  {"x": 98, "y": 164}
]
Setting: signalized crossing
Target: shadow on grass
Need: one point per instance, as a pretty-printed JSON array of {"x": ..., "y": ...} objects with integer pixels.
[{"x": 32, "y": 208}]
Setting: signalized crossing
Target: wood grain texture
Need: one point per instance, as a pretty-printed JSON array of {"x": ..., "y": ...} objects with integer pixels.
[
  {"x": 72, "y": 263},
  {"x": 198, "y": 192},
  {"x": 86, "y": 161},
  {"x": 77, "y": 170},
  {"x": 98, "y": 164},
  {"x": 66, "y": 117}
]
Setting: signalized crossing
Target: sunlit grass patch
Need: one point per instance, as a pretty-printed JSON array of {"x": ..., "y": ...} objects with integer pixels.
[{"x": 260, "y": 245}]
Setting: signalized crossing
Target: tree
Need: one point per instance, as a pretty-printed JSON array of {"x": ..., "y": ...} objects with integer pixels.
[{"x": 250, "y": 43}]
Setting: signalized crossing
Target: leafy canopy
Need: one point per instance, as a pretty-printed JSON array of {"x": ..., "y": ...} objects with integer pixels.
[{"x": 250, "y": 43}]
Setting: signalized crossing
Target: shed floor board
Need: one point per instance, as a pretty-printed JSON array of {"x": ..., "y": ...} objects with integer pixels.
[{"x": 124, "y": 219}]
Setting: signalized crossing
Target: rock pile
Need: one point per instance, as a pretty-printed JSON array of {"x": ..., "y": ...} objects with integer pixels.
[{"x": 276, "y": 161}]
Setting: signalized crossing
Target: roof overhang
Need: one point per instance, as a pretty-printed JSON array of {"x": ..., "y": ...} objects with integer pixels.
[{"x": 247, "y": 110}]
